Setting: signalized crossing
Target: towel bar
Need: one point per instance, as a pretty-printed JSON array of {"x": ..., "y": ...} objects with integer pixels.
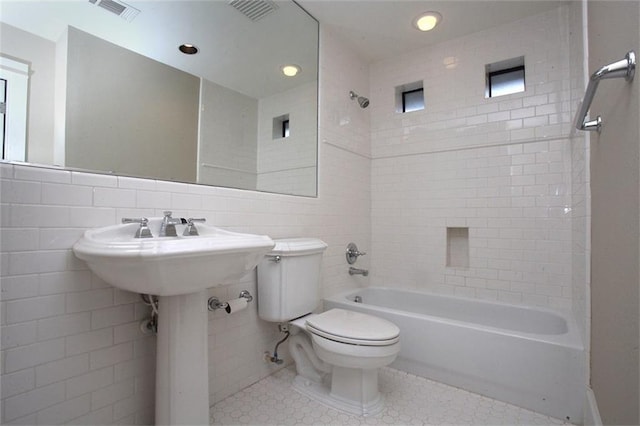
[{"x": 623, "y": 68}]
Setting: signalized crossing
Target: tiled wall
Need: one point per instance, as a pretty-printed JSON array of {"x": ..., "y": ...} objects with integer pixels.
[
  {"x": 227, "y": 152},
  {"x": 72, "y": 350},
  {"x": 288, "y": 165},
  {"x": 580, "y": 179},
  {"x": 499, "y": 166}
]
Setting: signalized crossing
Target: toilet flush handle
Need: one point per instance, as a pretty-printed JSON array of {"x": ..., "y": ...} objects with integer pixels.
[{"x": 353, "y": 253}]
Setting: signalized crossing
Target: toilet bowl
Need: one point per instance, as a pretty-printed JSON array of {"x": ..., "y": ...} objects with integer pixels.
[
  {"x": 339, "y": 367},
  {"x": 337, "y": 353}
]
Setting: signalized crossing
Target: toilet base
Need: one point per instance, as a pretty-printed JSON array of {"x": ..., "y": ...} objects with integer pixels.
[{"x": 332, "y": 395}]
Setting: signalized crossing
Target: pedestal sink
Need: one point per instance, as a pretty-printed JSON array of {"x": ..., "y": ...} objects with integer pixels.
[{"x": 178, "y": 269}]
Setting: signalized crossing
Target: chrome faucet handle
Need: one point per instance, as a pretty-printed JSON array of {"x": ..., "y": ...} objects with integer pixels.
[
  {"x": 353, "y": 253},
  {"x": 191, "y": 229},
  {"x": 143, "y": 231}
]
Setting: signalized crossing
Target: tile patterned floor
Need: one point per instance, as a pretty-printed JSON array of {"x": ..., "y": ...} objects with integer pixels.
[{"x": 410, "y": 400}]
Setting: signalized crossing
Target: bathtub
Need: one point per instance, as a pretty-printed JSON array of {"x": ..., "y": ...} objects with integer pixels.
[{"x": 529, "y": 357}]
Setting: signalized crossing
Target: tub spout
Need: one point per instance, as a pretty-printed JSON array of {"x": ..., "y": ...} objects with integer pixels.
[{"x": 356, "y": 271}]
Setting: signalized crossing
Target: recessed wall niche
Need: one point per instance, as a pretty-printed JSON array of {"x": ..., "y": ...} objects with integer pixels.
[{"x": 458, "y": 247}]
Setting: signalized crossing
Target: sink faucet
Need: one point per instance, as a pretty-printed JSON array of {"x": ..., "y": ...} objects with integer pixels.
[
  {"x": 191, "y": 229},
  {"x": 168, "y": 227},
  {"x": 143, "y": 231}
]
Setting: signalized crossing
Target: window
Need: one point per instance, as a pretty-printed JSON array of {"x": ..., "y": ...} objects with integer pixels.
[
  {"x": 410, "y": 97},
  {"x": 413, "y": 100},
  {"x": 505, "y": 78},
  {"x": 281, "y": 127}
]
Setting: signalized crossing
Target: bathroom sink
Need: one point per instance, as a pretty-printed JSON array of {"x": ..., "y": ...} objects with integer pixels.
[{"x": 168, "y": 266}]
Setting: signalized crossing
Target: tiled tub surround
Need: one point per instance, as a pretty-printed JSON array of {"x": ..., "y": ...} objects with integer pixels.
[{"x": 500, "y": 167}]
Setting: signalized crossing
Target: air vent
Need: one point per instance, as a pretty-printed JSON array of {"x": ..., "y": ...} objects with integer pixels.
[
  {"x": 119, "y": 8},
  {"x": 254, "y": 9}
]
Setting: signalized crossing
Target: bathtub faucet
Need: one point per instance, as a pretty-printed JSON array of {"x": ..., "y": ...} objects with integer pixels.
[{"x": 356, "y": 271}]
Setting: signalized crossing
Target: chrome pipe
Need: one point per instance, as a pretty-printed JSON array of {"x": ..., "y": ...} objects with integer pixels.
[{"x": 623, "y": 68}]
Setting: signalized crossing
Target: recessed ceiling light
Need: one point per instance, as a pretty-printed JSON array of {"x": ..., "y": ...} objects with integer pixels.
[
  {"x": 188, "y": 49},
  {"x": 291, "y": 70},
  {"x": 427, "y": 21}
]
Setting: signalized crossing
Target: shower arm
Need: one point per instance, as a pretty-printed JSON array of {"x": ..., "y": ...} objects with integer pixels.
[{"x": 623, "y": 68}]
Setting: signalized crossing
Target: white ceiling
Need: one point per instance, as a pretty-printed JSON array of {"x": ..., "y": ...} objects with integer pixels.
[
  {"x": 380, "y": 29},
  {"x": 235, "y": 52},
  {"x": 245, "y": 56}
]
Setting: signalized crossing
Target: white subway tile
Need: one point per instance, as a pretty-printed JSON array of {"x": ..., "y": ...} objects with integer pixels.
[
  {"x": 29, "y": 262},
  {"x": 59, "y": 238},
  {"x": 112, "y": 394},
  {"x": 129, "y": 406},
  {"x": 92, "y": 179},
  {"x": 6, "y": 171},
  {"x": 63, "y": 282},
  {"x": 187, "y": 201},
  {"x": 62, "y": 369},
  {"x": 111, "y": 197},
  {"x": 111, "y": 355},
  {"x": 65, "y": 411},
  {"x": 123, "y": 296},
  {"x": 63, "y": 325},
  {"x": 40, "y": 216},
  {"x": 42, "y": 174},
  {"x": 89, "y": 341},
  {"x": 91, "y": 217},
  {"x": 127, "y": 332},
  {"x": 34, "y": 308},
  {"x": 135, "y": 367},
  {"x": 18, "y": 382},
  {"x": 136, "y": 183},
  {"x": 66, "y": 195},
  {"x": 32, "y": 401},
  {"x": 112, "y": 316},
  {"x": 18, "y": 334},
  {"x": 20, "y": 192},
  {"x": 18, "y": 287},
  {"x": 18, "y": 239},
  {"x": 89, "y": 300},
  {"x": 153, "y": 199},
  {"x": 89, "y": 382},
  {"x": 32, "y": 355},
  {"x": 102, "y": 416}
]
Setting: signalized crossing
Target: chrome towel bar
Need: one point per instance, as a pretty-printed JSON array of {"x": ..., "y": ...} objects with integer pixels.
[{"x": 623, "y": 68}]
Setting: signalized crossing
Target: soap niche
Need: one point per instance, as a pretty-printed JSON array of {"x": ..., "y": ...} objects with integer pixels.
[{"x": 458, "y": 247}]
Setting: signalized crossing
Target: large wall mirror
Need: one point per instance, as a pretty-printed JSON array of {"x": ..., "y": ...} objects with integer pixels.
[{"x": 102, "y": 86}]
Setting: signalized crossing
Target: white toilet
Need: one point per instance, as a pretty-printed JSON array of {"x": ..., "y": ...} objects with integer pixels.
[{"x": 338, "y": 352}]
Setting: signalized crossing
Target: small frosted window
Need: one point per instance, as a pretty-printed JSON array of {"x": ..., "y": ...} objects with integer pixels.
[
  {"x": 506, "y": 82},
  {"x": 281, "y": 127},
  {"x": 413, "y": 100}
]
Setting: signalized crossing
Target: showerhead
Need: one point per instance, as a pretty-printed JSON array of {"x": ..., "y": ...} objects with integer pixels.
[{"x": 362, "y": 101}]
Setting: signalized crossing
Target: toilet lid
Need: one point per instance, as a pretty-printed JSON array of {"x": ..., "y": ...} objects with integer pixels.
[{"x": 353, "y": 328}]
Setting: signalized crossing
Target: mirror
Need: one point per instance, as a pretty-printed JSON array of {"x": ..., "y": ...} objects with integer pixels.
[{"x": 101, "y": 86}]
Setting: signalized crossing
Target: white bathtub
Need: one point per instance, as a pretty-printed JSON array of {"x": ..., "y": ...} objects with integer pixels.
[{"x": 529, "y": 357}]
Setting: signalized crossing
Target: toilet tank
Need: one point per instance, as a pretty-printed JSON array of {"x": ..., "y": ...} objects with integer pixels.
[{"x": 290, "y": 287}]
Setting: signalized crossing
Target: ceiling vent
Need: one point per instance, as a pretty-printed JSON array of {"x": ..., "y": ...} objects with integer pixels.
[
  {"x": 254, "y": 9},
  {"x": 119, "y": 8}
]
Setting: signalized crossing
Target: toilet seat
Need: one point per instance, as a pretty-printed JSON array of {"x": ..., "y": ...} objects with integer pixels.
[{"x": 353, "y": 328}]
